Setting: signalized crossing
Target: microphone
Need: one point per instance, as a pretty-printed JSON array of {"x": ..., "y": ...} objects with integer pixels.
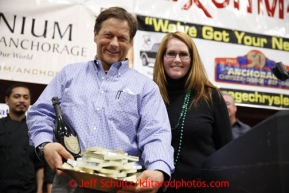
[{"x": 279, "y": 71}]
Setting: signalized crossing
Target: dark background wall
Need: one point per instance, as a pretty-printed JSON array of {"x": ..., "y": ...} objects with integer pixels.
[
  {"x": 248, "y": 115},
  {"x": 253, "y": 116}
]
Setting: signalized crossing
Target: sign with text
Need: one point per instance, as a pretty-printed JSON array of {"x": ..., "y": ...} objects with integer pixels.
[
  {"x": 37, "y": 40},
  {"x": 4, "y": 110},
  {"x": 232, "y": 58},
  {"x": 251, "y": 69},
  {"x": 238, "y": 40},
  {"x": 259, "y": 99}
]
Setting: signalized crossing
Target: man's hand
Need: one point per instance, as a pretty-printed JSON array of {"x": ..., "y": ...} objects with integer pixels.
[
  {"x": 53, "y": 154},
  {"x": 149, "y": 181}
]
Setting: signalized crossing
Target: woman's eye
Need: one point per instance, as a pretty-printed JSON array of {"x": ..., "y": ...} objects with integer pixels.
[
  {"x": 171, "y": 54},
  {"x": 183, "y": 54}
]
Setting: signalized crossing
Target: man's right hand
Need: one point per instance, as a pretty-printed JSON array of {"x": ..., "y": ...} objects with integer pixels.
[{"x": 53, "y": 154}]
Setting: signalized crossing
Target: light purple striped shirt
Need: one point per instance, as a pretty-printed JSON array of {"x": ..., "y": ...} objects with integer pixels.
[{"x": 120, "y": 109}]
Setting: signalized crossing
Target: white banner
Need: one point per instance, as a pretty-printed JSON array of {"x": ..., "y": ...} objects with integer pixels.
[
  {"x": 39, "y": 37},
  {"x": 4, "y": 110},
  {"x": 238, "y": 40},
  {"x": 257, "y": 16}
]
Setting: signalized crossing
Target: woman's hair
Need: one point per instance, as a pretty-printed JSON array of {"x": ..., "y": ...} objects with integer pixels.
[{"x": 197, "y": 79}]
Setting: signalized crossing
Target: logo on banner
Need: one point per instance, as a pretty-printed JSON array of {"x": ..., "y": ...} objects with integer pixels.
[
  {"x": 4, "y": 110},
  {"x": 258, "y": 99},
  {"x": 272, "y": 7},
  {"x": 251, "y": 69},
  {"x": 148, "y": 56}
]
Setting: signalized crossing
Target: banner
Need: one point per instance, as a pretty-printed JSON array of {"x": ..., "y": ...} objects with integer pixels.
[
  {"x": 4, "y": 110},
  {"x": 267, "y": 17},
  {"x": 236, "y": 57},
  {"x": 238, "y": 40},
  {"x": 259, "y": 99},
  {"x": 39, "y": 37}
]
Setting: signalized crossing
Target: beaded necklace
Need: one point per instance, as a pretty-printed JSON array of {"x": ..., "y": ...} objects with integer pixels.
[{"x": 183, "y": 118}]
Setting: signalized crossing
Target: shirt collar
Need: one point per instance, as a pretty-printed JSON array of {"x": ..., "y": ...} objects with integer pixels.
[
  {"x": 119, "y": 66},
  {"x": 9, "y": 118},
  {"x": 237, "y": 122}
]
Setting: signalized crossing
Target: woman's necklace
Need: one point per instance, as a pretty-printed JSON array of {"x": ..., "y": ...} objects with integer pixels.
[{"x": 182, "y": 118}]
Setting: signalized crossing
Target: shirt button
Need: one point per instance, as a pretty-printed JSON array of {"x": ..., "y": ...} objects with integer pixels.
[
  {"x": 102, "y": 92},
  {"x": 94, "y": 128},
  {"x": 102, "y": 78},
  {"x": 98, "y": 109}
]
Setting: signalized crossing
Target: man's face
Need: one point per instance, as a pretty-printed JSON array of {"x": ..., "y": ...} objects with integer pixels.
[
  {"x": 232, "y": 109},
  {"x": 113, "y": 42},
  {"x": 19, "y": 100}
]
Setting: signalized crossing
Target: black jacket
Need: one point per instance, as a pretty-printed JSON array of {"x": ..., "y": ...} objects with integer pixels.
[
  {"x": 18, "y": 161},
  {"x": 206, "y": 129}
]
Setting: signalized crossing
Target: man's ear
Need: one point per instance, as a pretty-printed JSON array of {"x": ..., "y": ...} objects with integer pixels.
[
  {"x": 95, "y": 36},
  {"x": 235, "y": 108},
  {"x": 6, "y": 100}
]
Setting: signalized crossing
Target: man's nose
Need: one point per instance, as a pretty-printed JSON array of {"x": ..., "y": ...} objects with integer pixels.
[
  {"x": 114, "y": 41},
  {"x": 22, "y": 99}
]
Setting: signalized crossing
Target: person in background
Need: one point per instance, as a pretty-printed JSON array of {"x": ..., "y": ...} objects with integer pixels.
[
  {"x": 238, "y": 127},
  {"x": 40, "y": 180},
  {"x": 198, "y": 116},
  {"x": 19, "y": 164},
  {"x": 109, "y": 105},
  {"x": 45, "y": 176},
  {"x": 49, "y": 175}
]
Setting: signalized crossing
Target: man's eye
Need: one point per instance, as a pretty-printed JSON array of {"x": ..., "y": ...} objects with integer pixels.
[{"x": 123, "y": 39}]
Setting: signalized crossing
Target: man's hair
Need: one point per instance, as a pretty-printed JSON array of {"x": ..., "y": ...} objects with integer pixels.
[
  {"x": 227, "y": 94},
  {"x": 9, "y": 90},
  {"x": 117, "y": 13}
]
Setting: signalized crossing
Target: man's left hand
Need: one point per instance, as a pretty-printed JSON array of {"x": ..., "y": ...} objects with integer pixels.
[{"x": 149, "y": 182}]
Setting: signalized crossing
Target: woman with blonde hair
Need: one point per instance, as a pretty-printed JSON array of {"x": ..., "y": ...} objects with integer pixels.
[{"x": 198, "y": 114}]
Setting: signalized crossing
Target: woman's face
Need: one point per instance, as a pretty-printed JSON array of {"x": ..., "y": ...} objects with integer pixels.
[{"x": 177, "y": 59}]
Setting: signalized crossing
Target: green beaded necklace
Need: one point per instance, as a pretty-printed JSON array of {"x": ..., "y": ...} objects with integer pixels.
[{"x": 183, "y": 118}]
